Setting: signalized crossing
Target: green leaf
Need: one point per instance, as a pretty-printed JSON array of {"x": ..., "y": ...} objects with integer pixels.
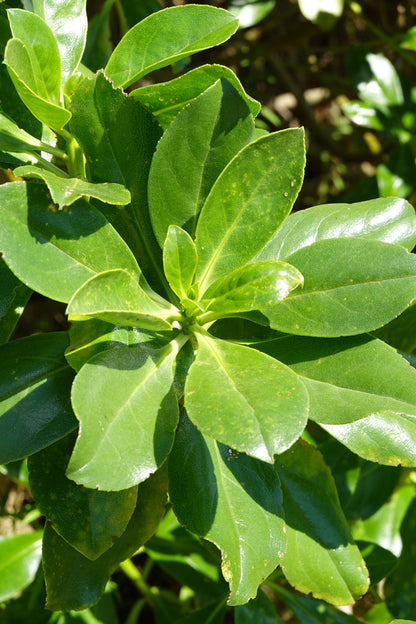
[
  {"x": 399, "y": 586},
  {"x": 68, "y": 21},
  {"x": 322, "y": 12},
  {"x": 390, "y": 219},
  {"x": 13, "y": 298},
  {"x": 14, "y": 139},
  {"x": 128, "y": 413},
  {"x": 321, "y": 556},
  {"x": 259, "y": 610},
  {"x": 248, "y": 203},
  {"x": 179, "y": 260},
  {"x": 378, "y": 83},
  {"x": 43, "y": 75},
  {"x": 379, "y": 561},
  {"x": 308, "y": 610},
  {"x": 238, "y": 509},
  {"x": 362, "y": 114},
  {"x": 55, "y": 252},
  {"x": 244, "y": 398},
  {"x": 252, "y": 287},
  {"x": 116, "y": 297},
  {"x": 20, "y": 556},
  {"x": 400, "y": 333},
  {"x": 211, "y": 614},
  {"x": 35, "y": 383},
  {"x": 75, "y": 582},
  {"x": 65, "y": 191},
  {"x": 89, "y": 520},
  {"x": 166, "y": 37},
  {"x": 191, "y": 154},
  {"x": 252, "y": 12},
  {"x": 98, "y": 47},
  {"x": 351, "y": 286},
  {"x": 165, "y": 100},
  {"x": 118, "y": 137}
]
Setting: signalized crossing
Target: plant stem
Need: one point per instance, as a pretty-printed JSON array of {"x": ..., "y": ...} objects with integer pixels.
[{"x": 137, "y": 579}]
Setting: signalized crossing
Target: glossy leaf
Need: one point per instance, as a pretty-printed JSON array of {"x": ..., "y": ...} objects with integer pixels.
[
  {"x": 362, "y": 114},
  {"x": 321, "y": 556},
  {"x": 68, "y": 22},
  {"x": 252, "y": 287},
  {"x": 128, "y": 413},
  {"x": 345, "y": 292},
  {"x": 55, "y": 252},
  {"x": 165, "y": 100},
  {"x": 248, "y": 203},
  {"x": 260, "y": 609},
  {"x": 250, "y": 13},
  {"x": 89, "y": 520},
  {"x": 244, "y": 398},
  {"x": 386, "y": 219},
  {"x": 378, "y": 83},
  {"x": 75, "y": 582},
  {"x": 65, "y": 191},
  {"x": 399, "y": 586},
  {"x": 166, "y": 37},
  {"x": 191, "y": 154},
  {"x": 118, "y": 137},
  {"x": 20, "y": 557},
  {"x": 35, "y": 382},
  {"x": 321, "y": 12},
  {"x": 379, "y": 561},
  {"x": 13, "y": 298},
  {"x": 179, "y": 260},
  {"x": 308, "y": 610},
  {"x": 14, "y": 139},
  {"x": 116, "y": 297},
  {"x": 238, "y": 509}
]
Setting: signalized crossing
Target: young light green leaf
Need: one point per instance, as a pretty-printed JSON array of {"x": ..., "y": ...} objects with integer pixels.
[
  {"x": 89, "y": 520},
  {"x": 179, "y": 260},
  {"x": 118, "y": 137},
  {"x": 13, "y": 297},
  {"x": 20, "y": 557},
  {"x": 55, "y": 252},
  {"x": 252, "y": 287},
  {"x": 166, "y": 37},
  {"x": 117, "y": 297},
  {"x": 74, "y": 581},
  {"x": 32, "y": 371},
  {"x": 348, "y": 379},
  {"x": 67, "y": 20},
  {"x": 165, "y": 100},
  {"x": 248, "y": 203},
  {"x": 388, "y": 219},
  {"x": 321, "y": 556},
  {"x": 192, "y": 153},
  {"x": 351, "y": 286},
  {"x": 43, "y": 75},
  {"x": 65, "y": 191},
  {"x": 238, "y": 509},
  {"x": 244, "y": 398},
  {"x": 128, "y": 413},
  {"x": 18, "y": 62}
]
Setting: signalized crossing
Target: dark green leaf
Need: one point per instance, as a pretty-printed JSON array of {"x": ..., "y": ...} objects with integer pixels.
[
  {"x": 248, "y": 203},
  {"x": 35, "y": 383},
  {"x": 75, "y": 582},
  {"x": 401, "y": 331},
  {"x": 191, "y": 154},
  {"x": 165, "y": 100},
  {"x": 134, "y": 12},
  {"x": 379, "y": 561},
  {"x": 55, "y": 252},
  {"x": 179, "y": 260},
  {"x": 232, "y": 500},
  {"x": 89, "y": 520},
  {"x": 117, "y": 297},
  {"x": 68, "y": 22},
  {"x": 244, "y": 398},
  {"x": 321, "y": 556},
  {"x": 253, "y": 286},
  {"x": 260, "y": 610},
  {"x": 19, "y": 559},
  {"x": 351, "y": 286},
  {"x": 98, "y": 47},
  {"x": 13, "y": 298},
  {"x": 386, "y": 219},
  {"x": 128, "y": 413},
  {"x": 399, "y": 586},
  {"x": 118, "y": 137},
  {"x": 166, "y": 37},
  {"x": 211, "y": 614},
  {"x": 65, "y": 191}
]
